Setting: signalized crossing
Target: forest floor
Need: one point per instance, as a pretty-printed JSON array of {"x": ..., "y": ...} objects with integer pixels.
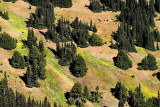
[{"x": 101, "y": 69}]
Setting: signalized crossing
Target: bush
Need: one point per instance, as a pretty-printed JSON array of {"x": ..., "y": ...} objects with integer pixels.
[
  {"x": 78, "y": 67},
  {"x": 7, "y": 42},
  {"x": 17, "y": 60},
  {"x": 148, "y": 63},
  {"x": 95, "y": 40},
  {"x": 122, "y": 60}
]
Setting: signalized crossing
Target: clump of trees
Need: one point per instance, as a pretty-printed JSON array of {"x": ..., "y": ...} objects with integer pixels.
[
  {"x": 10, "y": 99},
  {"x": 66, "y": 52},
  {"x": 114, "y": 5},
  {"x": 137, "y": 26},
  {"x": 7, "y": 42},
  {"x": 122, "y": 60},
  {"x": 63, "y": 28},
  {"x": 135, "y": 98},
  {"x": 79, "y": 95},
  {"x": 95, "y": 40},
  {"x": 57, "y": 3},
  {"x": 78, "y": 66},
  {"x": 95, "y": 6},
  {"x": 36, "y": 61},
  {"x": 43, "y": 17},
  {"x": 62, "y": 3},
  {"x": 66, "y": 31},
  {"x": 80, "y": 32},
  {"x": 148, "y": 63},
  {"x": 17, "y": 60},
  {"x": 78, "y": 24}
]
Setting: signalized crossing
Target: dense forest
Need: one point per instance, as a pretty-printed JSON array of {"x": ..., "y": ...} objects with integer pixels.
[{"x": 137, "y": 26}]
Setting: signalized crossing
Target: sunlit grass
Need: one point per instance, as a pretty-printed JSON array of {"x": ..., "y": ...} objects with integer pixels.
[
  {"x": 141, "y": 50},
  {"x": 18, "y": 24},
  {"x": 21, "y": 48}
]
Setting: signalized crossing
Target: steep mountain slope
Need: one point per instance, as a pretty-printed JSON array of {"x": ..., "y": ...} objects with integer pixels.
[{"x": 101, "y": 69}]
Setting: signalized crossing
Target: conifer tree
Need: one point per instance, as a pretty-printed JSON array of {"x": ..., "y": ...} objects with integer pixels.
[
  {"x": 157, "y": 46},
  {"x": 95, "y": 40},
  {"x": 148, "y": 63},
  {"x": 121, "y": 103},
  {"x": 28, "y": 77},
  {"x": 78, "y": 67},
  {"x": 7, "y": 42},
  {"x": 86, "y": 92},
  {"x": 95, "y": 6},
  {"x": 122, "y": 60},
  {"x": 31, "y": 39},
  {"x": 17, "y": 60}
]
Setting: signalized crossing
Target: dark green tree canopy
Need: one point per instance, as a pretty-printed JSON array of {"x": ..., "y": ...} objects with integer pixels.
[
  {"x": 17, "y": 60},
  {"x": 122, "y": 60},
  {"x": 95, "y": 40},
  {"x": 148, "y": 63},
  {"x": 95, "y": 6},
  {"x": 57, "y": 3},
  {"x": 7, "y": 42},
  {"x": 78, "y": 67},
  {"x": 78, "y": 96}
]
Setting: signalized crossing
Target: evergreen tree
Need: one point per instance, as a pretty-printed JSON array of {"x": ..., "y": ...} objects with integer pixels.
[
  {"x": 7, "y": 42},
  {"x": 76, "y": 91},
  {"x": 122, "y": 60},
  {"x": 29, "y": 77},
  {"x": 95, "y": 6},
  {"x": 66, "y": 52},
  {"x": 95, "y": 40},
  {"x": 121, "y": 103},
  {"x": 17, "y": 60},
  {"x": 31, "y": 39},
  {"x": 86, "y": 92},
  {"x": 78, "y": 67},
  {"x": 148, "y": 63},
  {"x": 157, "y": 46}
]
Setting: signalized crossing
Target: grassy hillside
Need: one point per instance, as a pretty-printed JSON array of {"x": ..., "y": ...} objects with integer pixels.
[{"x": 101, "y": 69}]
